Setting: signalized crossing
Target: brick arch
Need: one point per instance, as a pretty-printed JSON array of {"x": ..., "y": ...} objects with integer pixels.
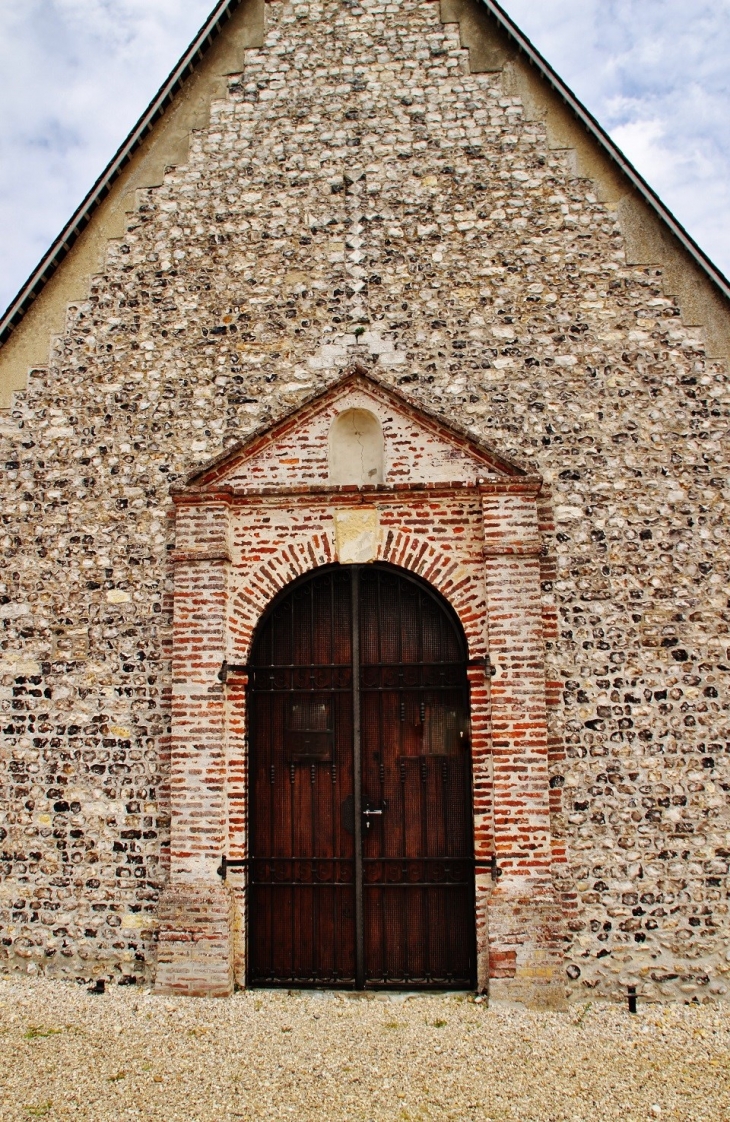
[
  {"x": 457, "y": 582},
  {"x": 452, "y": 578},
  {"x": 262, "y": 584}
]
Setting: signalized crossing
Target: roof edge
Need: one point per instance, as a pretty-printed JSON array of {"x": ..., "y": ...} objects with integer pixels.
[
  {"x": 614, "y": 152},
  {"x": 186, "y": 65},
  {"x": 48, "y": 264}
]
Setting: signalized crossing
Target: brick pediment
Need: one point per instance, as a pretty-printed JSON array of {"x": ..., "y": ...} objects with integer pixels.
[{"x": 358, "y": 432}]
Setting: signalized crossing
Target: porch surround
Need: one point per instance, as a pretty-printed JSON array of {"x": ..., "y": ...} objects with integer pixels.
[{"x": 237, "y": 545}]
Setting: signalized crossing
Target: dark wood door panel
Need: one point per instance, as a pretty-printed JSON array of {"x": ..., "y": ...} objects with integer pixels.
[
  {"x": 418, "y": 929},
  {"x": 303, "y": 934},
  {"x": 388, "y": 735},
  {"x": 419, "y": 937},
  {"x": 301, "y": 906}
]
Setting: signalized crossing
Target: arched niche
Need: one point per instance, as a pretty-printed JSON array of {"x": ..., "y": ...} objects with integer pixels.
[{"x": 356, "y": 448}]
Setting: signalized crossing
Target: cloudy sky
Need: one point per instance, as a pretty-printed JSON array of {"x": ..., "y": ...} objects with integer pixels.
[{"x": 76, "y": 74}]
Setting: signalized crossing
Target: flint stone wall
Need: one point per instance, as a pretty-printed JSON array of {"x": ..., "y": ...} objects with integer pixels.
[{"x": 360, "y": 195}]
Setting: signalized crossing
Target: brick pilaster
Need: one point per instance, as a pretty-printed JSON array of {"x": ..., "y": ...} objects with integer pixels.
[
  {"x": 196, "y": 942},
  {"x": 525, "y": 926}
]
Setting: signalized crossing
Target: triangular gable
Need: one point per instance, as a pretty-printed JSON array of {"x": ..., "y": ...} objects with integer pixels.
[
  {"x": 419, "y": 448},
  {"x": 659, "y": 237}
]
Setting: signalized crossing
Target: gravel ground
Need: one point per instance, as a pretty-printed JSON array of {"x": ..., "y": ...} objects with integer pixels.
[{"x": 126, "y": 1054}]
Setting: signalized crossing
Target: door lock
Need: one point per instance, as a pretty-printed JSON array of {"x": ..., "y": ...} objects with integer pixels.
[{"x": 370, "y": 814}]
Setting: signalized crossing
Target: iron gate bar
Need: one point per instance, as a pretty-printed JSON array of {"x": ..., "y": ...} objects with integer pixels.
[
  {"x": 491, "y": 864},
  {"x": 341, "y": 665},
  {"x": 364, "y": 689},
  {"x": 227, "y": 864},
  {"x": 309, "y": 687},
  {"x": 309, "y": 884},
  {"x": 295, "y": 666},
  {"x": 414, "y": 884},
  {"x": 357, "y": 779},
  {"x": 408, "y": 689},
  {"x": 316, "y": 689}
]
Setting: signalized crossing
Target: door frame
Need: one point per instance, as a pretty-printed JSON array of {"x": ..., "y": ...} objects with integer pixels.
[{"x": 236, "y": 549}]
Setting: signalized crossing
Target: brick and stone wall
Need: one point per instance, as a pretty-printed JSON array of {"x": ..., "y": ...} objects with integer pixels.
[{"x": 360, "y": 196}]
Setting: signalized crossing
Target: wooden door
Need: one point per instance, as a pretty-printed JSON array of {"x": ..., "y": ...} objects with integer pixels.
[
  {"x": 361, "y": 853},
  {"x": 418, "y": 873}
]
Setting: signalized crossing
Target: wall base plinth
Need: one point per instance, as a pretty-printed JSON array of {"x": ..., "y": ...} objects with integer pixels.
[
  {"x": 195, "y": 951},
  {"x": 526, "y": 945}
]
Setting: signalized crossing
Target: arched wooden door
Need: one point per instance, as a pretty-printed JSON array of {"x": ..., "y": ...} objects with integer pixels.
[{"x": 361, "y": 867}]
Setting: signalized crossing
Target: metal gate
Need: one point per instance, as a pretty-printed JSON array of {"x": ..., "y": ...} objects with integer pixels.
[{"x": 360, "y": 868}]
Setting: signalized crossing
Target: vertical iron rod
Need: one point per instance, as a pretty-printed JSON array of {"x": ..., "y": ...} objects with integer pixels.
[{"x": 357, "y": 780}]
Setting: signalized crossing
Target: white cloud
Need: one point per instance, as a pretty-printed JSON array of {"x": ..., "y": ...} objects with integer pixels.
[
  {"x": 655, "y": 75},
  {"x": 644, "y": 142},
  {"x": 77, "y": 73}
]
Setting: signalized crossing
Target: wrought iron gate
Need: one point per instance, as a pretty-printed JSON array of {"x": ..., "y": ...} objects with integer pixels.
[{"x": 361, "y": 867}]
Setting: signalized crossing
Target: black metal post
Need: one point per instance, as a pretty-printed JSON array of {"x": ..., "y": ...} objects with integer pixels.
[{"x": 357, "y": 780}]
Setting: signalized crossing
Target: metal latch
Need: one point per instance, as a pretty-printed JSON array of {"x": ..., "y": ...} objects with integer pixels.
[
  {"x": 227, "y": 864},
  {"x": 371, "y": 814}
]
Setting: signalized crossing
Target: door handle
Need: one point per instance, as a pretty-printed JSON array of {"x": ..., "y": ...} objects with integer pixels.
[{"x": 370, "y": 814}]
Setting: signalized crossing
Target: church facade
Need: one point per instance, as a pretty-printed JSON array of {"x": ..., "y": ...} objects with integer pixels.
[{"x": 364, "y": 587}]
